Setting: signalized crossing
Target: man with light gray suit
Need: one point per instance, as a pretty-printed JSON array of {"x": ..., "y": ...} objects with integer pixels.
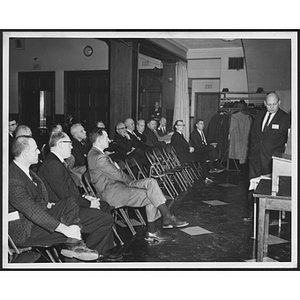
[{"x": 119, "y": 190}]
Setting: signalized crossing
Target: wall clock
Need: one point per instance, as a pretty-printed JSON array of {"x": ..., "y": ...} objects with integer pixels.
[{"x": 88, "y": 51}]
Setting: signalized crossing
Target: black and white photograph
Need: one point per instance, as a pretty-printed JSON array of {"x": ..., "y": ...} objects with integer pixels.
[{"x": 129, "y": 150}]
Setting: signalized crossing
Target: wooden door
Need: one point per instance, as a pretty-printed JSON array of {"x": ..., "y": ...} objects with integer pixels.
[
  {"x": 87, "y": 96},
  {"x": 150, "y": 91},
  {"x": 33, "y": 86},
  {"x": 207, "y": 104}
]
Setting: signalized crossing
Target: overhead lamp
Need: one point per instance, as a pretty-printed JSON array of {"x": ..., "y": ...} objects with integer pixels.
[
  {"x": 225, "y": 90},
  {"x": 259, "y": 90}
]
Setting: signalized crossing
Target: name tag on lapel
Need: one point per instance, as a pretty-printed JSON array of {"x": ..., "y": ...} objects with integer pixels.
[{"x": 275, "y": 126}]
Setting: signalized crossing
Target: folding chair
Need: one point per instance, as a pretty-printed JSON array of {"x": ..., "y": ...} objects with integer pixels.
[
  {"x": 91, "y": 191},
  {"x": 188, "y": 167},
  {"x": 124, "y": 168},
  {"x": 167, "y": 165},
  {"x": 163, "y": 177},
  {"x": 133, "y": 168},
  {"x": 30, "y": 254}
]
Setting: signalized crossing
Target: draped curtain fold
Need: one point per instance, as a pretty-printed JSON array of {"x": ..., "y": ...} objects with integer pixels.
[{"x": 181, "y": 105}]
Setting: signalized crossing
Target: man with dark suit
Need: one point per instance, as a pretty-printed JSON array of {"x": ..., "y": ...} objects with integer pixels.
[
  {"x": 185, "y": 152},
  {"x": 137, "y": 143},
  {"x": 268, "y": 135},
  {"x": 94, "y": 214},
  {"x": 206, "y": 150},
  {"x": 79, "y": 150},
  {"x": 119, "y": 190},
  {"x": 139, "y": 131},
  {"x": 40, "y": 222},
  {"x": 12, "y": 126},
  {"x": 152, "y": 136}
]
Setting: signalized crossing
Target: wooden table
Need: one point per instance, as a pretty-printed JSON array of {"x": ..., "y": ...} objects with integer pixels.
[{"x": 267, "y": 201}]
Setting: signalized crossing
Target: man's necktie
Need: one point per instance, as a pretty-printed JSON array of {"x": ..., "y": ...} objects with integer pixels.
[
  {"x": 267, "y": 122},
  {"x": 203, "y": 137}
]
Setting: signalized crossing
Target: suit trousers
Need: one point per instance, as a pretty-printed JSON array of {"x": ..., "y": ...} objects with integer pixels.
[
  {"x": 95, "y": 224},
  {"x": 67, "y": 212},
  {"x": 146, "y": 192}
]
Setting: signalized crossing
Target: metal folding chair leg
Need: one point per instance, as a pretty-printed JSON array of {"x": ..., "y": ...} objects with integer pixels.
[
  {"x": 125, "y": 217},
  {"x": 117, "y": 235},
  {"x": 137, "y": 212}
]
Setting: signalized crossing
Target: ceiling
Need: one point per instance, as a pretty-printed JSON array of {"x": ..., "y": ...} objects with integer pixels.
[{"x": 196, "y": 43}]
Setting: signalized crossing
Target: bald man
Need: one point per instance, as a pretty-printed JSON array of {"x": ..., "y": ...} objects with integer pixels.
[{"x": 268, "y": 135}]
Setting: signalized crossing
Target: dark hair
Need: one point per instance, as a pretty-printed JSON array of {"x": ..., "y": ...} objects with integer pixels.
[
  {"x": 55, "y": 137},
  {"x": 95, "y": 133},
  {"x": 20, "y": 144},
  {"x": 176, "y": 122}
]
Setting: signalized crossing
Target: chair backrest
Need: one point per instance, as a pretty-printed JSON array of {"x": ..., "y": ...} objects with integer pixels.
[
  {"x": 87, "y": 185},
  {"x": 134, "y": 169}
]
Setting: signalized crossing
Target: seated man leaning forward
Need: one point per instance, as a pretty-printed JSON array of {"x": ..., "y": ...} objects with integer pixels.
[
  {"x": 119, "y": 190},
  {"x": 40, "y": 222}
]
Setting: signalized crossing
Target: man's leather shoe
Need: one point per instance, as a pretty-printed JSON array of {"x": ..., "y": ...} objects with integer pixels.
[
  {"x": 80, "y": 251},
  {"x": 173, "y": 222},
  {"x": 157, "y": 236},
  {"x": 111, "y": 256}
]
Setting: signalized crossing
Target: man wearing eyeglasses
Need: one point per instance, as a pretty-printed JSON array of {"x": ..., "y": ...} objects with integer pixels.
[
  {"x": 94, "y": 214},
  {"x": 268, "y": 135}
]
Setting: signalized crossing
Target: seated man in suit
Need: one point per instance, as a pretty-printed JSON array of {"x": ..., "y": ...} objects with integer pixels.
[
  {"x": 119, "y": 190},
  {"x": 12, "y": 126},
  {"x": 137, "y": 144},
  {"x": 139, "y": 131},
  {"x": 95, "y": 215},
  {"x": 185, "y": 152},
  {"x": 41, "y": 222},
  {"x": 79, "y": 150},
  {"x": 152, "y": 136},
  {"x": 163, "y": 134},
  {"x": 199, "y": 142}
]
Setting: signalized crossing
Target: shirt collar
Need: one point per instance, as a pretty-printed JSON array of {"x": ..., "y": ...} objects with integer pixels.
[
  {"x": 23, "y": 168},
  {"x": 58, "y": 156}
]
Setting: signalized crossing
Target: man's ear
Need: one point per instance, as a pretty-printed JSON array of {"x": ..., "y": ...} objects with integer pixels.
[{"x": 265, "y": 103}]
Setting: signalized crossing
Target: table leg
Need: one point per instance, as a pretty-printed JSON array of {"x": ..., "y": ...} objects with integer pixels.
[
  {"x": 261, "y": 229},
  {"x": 254, "y": 217},
  {"x": 266, "y": 233}
]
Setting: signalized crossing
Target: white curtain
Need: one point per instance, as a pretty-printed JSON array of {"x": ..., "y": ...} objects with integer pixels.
[{"x": 181, "y": 105}]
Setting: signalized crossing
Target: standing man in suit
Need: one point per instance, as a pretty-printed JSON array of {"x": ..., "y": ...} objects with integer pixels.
[
  {"x": 204, "y": 148},
  {"x": 119, "y": 190},
  {"x": 95, "y": 215},
  {"x": 41, "y": 222},
  {"x": 268, "y": 135}
]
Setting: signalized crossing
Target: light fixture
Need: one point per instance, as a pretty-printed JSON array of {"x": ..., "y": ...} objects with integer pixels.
[{"x": 225, "y": 90}]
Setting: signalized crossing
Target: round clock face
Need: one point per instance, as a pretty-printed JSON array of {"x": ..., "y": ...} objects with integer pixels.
[{"x": 88, "y": 51}]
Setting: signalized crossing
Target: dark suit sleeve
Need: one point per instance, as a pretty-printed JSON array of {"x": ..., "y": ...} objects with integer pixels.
[
  {"x": 60, "y": 183},
  {"x": 21, "y": 199},
  {"x": 79, "y": 153}
]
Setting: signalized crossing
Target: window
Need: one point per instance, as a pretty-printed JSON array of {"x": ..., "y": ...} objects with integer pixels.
[{"x": 236, "y": 63}]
